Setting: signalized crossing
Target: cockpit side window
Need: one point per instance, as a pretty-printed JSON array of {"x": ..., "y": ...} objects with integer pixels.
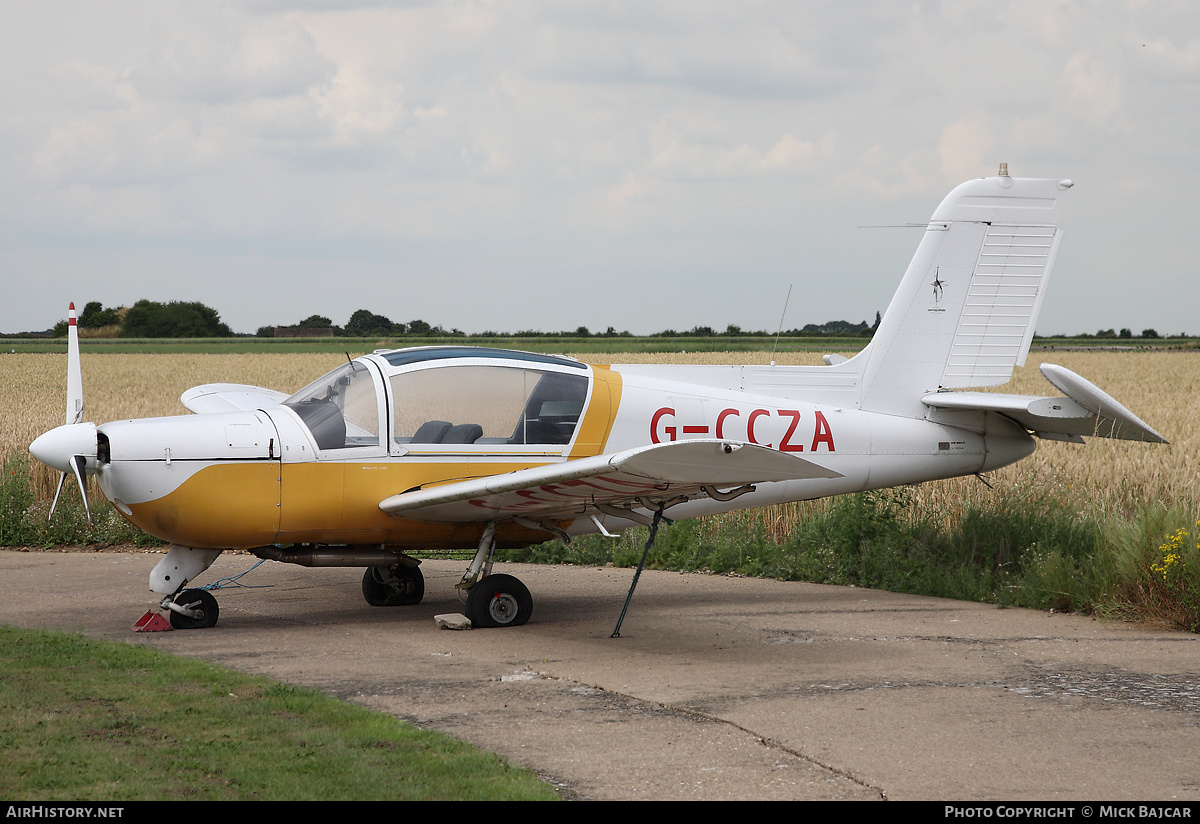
[
  {"x": 553, "y": 410},
  {"x": 484, "y": 404},
  {"x": 341, "y": 409}
]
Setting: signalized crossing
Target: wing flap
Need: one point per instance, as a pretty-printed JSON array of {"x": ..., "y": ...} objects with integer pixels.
[
  {"x": 568, "y": 490},
  {"x": 1087, "y": 409},
  {"x": 229, "y": 397}
]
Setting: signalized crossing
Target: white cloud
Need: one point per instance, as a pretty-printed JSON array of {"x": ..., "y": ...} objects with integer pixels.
[{"x": 610, "y": 145}]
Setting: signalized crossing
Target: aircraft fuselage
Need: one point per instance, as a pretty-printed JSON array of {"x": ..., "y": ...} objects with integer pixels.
[{"x": 239, "y": 480}]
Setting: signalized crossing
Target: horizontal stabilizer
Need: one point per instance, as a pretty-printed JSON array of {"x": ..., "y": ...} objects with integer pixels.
[
  {"x": 641, "y": 477},
  {"x": 1087, "y": 410},
  {"x": 229, "y": 397}
]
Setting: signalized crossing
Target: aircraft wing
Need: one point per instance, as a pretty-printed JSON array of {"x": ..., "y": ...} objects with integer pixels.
[
  {"x": 1087, "y": 410},
  {"x": 229, "y": 397},
  {"x": 643, "y": 477}
]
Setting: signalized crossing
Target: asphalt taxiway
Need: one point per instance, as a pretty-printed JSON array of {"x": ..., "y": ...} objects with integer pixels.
[{"x": 718, "y": 688}]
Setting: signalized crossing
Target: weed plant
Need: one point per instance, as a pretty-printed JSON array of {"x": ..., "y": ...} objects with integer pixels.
[
  {"x": 1156, "y": 568},
  {"x": 1027, "y": 549},
  {"x": 25, "y": 517}
]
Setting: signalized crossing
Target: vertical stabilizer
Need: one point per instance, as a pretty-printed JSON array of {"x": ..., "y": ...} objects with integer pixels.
[{"x": 965, "y": 311}]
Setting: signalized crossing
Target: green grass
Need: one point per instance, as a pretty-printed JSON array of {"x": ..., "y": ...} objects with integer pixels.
[{"x": 91, "y": 720}]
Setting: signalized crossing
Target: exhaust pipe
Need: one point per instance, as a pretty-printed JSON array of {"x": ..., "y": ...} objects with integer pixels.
[{"x": 318, "y": 556}]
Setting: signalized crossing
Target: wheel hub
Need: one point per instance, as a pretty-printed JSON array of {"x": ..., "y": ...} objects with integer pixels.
[{"x": 503, "y": 608}]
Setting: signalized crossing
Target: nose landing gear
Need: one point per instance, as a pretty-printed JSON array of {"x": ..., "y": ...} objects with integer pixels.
[{"x": 192, "y": 609}]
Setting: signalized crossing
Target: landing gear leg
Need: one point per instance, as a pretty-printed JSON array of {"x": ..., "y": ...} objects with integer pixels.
[
  {"x": 481, "y": 564},
  {"x": 180, "y": 565}
]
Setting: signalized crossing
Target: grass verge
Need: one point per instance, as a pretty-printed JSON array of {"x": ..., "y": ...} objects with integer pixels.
[
  {"x": 91, "y": 720},
  {"x": 25, "y": 521},
  {"x": 1011, "y": 549}
]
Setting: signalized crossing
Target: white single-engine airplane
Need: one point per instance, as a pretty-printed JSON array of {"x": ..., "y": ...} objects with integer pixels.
[{"x": 444, "y": 447}]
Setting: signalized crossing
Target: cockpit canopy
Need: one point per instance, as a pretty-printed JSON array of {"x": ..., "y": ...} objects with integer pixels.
[{"x": 463, "y": 397}]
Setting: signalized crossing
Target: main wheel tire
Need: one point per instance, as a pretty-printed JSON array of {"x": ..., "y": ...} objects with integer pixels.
[
  {"x": 202, "y": 602},
  {"x": 499, "y": 601},
  {"x": 396, "y": 586}
]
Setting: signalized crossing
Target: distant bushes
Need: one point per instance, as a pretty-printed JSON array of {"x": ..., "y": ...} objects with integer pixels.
[{"x": 149, "y": 319}]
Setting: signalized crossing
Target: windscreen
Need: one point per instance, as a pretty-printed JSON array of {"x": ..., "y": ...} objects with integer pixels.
[{"x": 340, "y": 409}]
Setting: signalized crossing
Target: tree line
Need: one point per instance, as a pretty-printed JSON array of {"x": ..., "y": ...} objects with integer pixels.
[
  {"x": 180, "y": 319},
  {"x": 183, "y": 319},
  {"x": 365, "y": 323}
]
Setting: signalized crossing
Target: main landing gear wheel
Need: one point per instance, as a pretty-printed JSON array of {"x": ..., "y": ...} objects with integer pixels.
[
  {"x": 395, "y": 586},
  {"x": 499, "y": 601},
  {"x": 201, "y": 605}
]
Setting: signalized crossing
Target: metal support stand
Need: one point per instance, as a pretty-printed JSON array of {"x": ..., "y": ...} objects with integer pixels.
[{"x": 658, "y": 516}]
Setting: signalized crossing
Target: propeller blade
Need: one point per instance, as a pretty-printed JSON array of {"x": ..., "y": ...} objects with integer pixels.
[
  {"x": 79, "y": 464},
  {"x": 74, "y": 373},
  {"x": 79, "y": 467},
  {"x": 62, "y": 479}
]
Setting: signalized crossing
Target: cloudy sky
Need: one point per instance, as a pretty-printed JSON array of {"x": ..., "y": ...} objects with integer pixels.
[{"x": 546, "y": 165}]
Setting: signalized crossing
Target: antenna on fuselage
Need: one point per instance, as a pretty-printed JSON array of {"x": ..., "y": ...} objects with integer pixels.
[{"x": 780, "y": 329}]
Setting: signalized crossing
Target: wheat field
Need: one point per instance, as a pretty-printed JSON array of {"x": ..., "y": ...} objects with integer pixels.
[{"x": 1110, "y": 476}]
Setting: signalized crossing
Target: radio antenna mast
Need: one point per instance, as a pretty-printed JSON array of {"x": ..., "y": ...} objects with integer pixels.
[{"x": 780, "y": 329}]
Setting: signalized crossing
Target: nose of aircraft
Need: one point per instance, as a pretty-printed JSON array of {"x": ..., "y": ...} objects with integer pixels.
[{"x": 59, "y": 446}]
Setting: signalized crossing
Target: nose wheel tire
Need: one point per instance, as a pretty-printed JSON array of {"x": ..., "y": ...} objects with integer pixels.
[
  {"x": 200, "y": 605},
  {"x": 499, "y": 601}
]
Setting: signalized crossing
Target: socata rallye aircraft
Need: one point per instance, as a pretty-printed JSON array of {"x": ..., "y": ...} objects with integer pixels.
[{"x": 439, "y": 447}]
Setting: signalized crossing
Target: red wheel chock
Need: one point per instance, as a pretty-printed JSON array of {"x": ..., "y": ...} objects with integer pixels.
[{"x": 152, "y": 622}]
